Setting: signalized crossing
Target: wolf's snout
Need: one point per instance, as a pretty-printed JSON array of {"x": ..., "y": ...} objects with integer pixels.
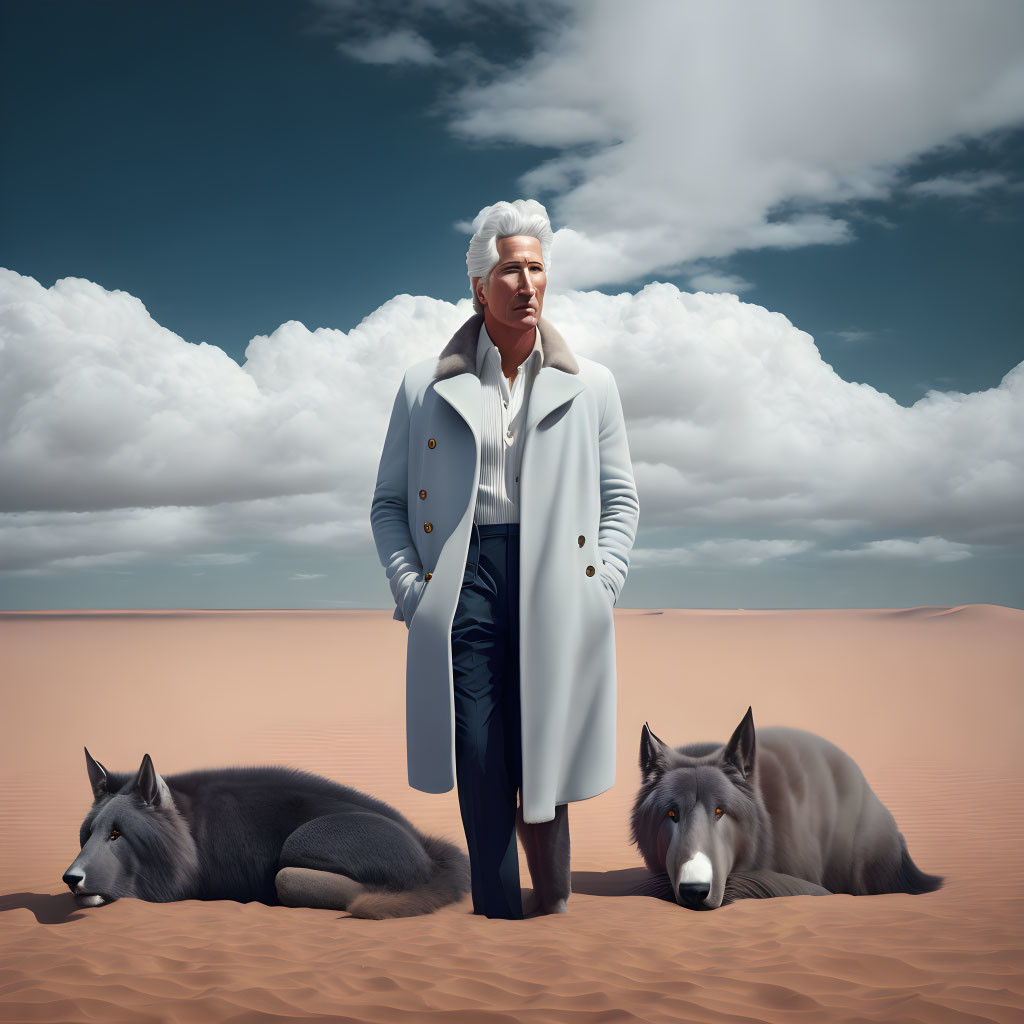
[
  {"x": 72, "y": 878},
  {"x": 695, "y": 879},
  {"x": 693, "y": 894}
]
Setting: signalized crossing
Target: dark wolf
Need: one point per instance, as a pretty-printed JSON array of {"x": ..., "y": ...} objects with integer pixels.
[
  {"x": 265, "y": 834},
  {"x": 790, "y": 814}
]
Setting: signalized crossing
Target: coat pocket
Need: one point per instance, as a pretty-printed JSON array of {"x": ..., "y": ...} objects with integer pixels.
[
  {"x": 412, "y": 600},
  {"x": 469, "y": 575},
  {"x": 606, "y": 586}
]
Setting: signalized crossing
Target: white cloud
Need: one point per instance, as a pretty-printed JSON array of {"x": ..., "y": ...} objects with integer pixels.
[
  {"x": 402, "y": 46},
  {"x": 735, "y": 419},
  {"x": 120, "y": 441},
  {"x": 218, "y": 558},
  {"x": 710, "y": 281},
  {"x": 924, "y": 549},
  {"x": 719, "y": 554},
  {"x": 963, "y": 185},
  {"x": 95, "y": 561},
  {"x": 698, "y": 130},
  {"x": 101, "y": 407},
  {"x": 686, "y": 131},
  {"x": 852, "y": 335}
]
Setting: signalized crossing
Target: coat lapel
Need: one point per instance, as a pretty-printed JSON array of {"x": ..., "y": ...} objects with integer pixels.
[
  {"x": 455, "y": 379},
  {"x": 551, "y": 388},
  {"x": 462, "y": 393}
]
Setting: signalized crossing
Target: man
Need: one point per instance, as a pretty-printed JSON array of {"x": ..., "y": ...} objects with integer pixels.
[{"x": 504, "y": 513}]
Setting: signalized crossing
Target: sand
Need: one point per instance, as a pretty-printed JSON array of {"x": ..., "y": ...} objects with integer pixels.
[{"x": 928, "y": 701}]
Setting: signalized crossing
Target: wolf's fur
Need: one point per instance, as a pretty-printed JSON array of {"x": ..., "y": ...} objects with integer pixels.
[
  {"x": 799, "y": 818},
  {"x": 268, "y": 834}
]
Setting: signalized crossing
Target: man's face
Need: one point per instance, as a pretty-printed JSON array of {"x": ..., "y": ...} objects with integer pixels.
[{"x": 513, "y": 293}]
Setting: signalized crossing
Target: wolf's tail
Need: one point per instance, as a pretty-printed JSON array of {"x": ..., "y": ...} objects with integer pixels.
[
  {"x": 908, "y": 877},
  {"x": 449, "y": 881}
]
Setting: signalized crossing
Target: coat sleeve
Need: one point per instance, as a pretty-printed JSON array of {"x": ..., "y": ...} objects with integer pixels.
[
  {"x": 620, "y": 508},
  {"x": 389, "y": 516}
]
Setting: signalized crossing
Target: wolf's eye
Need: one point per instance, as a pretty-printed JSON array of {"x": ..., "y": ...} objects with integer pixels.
[
  {"x": 719, "y": 812},
  {"x": 114, "y": 833},
  {"x": 672, "y": 813}
]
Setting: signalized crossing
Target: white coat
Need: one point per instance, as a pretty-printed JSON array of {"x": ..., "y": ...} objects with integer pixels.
[{"x": 578, "y": 513}]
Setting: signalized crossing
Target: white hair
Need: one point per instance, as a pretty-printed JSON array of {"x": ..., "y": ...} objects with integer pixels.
[{"x": 502, "y": 220}]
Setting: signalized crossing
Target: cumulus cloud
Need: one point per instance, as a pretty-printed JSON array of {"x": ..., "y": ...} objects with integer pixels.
[
  {"x": 121, "y": 442},
  {"x": 697, "y": 130},
  {"x": 102, "y": 408},
  {"x": 736, "y": 419}
]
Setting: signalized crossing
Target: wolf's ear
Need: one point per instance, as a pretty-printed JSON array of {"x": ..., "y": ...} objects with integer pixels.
[
  {"x": 150, "y": 786},
  {"x": 739, "y": 751},
  {"x": 654, "y": 754},
  {"x": 99, "y": 777}
]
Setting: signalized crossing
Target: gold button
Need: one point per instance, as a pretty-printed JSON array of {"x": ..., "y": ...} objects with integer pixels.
[
  {"x": 431, "y": 443},
  {"x": 590, "y": 570},
  {"x": 427, "y": 527},
  {"x": 581, "y": 540},
  {"x": 423, "y": 494},
  {"x": 427, "y": 575}
]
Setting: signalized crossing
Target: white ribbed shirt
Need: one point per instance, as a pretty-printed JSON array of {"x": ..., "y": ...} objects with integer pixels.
[{"x": 503, "y": 415}]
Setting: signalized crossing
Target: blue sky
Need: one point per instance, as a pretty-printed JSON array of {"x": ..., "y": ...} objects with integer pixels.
[{"x": 831, "y": 426}]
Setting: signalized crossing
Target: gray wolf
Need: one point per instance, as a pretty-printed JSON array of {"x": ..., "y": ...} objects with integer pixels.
[
  {"x": 783, "y": 813},
  {"x": 264, "y": 834}
]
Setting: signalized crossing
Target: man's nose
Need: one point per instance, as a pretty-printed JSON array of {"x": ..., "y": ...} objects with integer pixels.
[{"x": 526, "y": 285}]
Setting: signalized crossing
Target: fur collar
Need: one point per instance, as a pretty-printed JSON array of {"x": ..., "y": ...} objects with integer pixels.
[{"x": 459, "y": 355}]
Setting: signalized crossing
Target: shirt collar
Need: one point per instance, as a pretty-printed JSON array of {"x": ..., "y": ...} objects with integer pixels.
[{"x": 485, "y": 345}]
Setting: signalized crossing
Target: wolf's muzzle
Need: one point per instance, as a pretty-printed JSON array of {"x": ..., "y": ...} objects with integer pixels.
[
  {"x": 73, "y": 880},
  {"x": 693, "y": 894}
]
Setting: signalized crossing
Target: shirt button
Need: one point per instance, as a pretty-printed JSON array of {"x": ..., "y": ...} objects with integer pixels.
[
  {"x": 590, "y": 570},
  {"x": 423, "y": 494},
  {"x": 427, "y": 575},
  {"x": 427, "y": 527}
]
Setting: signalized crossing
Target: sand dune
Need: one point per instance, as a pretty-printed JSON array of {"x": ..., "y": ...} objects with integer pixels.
[{"x": 928, "y": 700}]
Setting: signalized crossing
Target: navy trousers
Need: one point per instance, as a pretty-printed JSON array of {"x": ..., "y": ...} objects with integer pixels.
[{"x": 488, "y": 740}]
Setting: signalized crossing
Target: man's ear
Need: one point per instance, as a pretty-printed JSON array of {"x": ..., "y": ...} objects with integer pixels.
[{"x": 478, "y": 290}]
